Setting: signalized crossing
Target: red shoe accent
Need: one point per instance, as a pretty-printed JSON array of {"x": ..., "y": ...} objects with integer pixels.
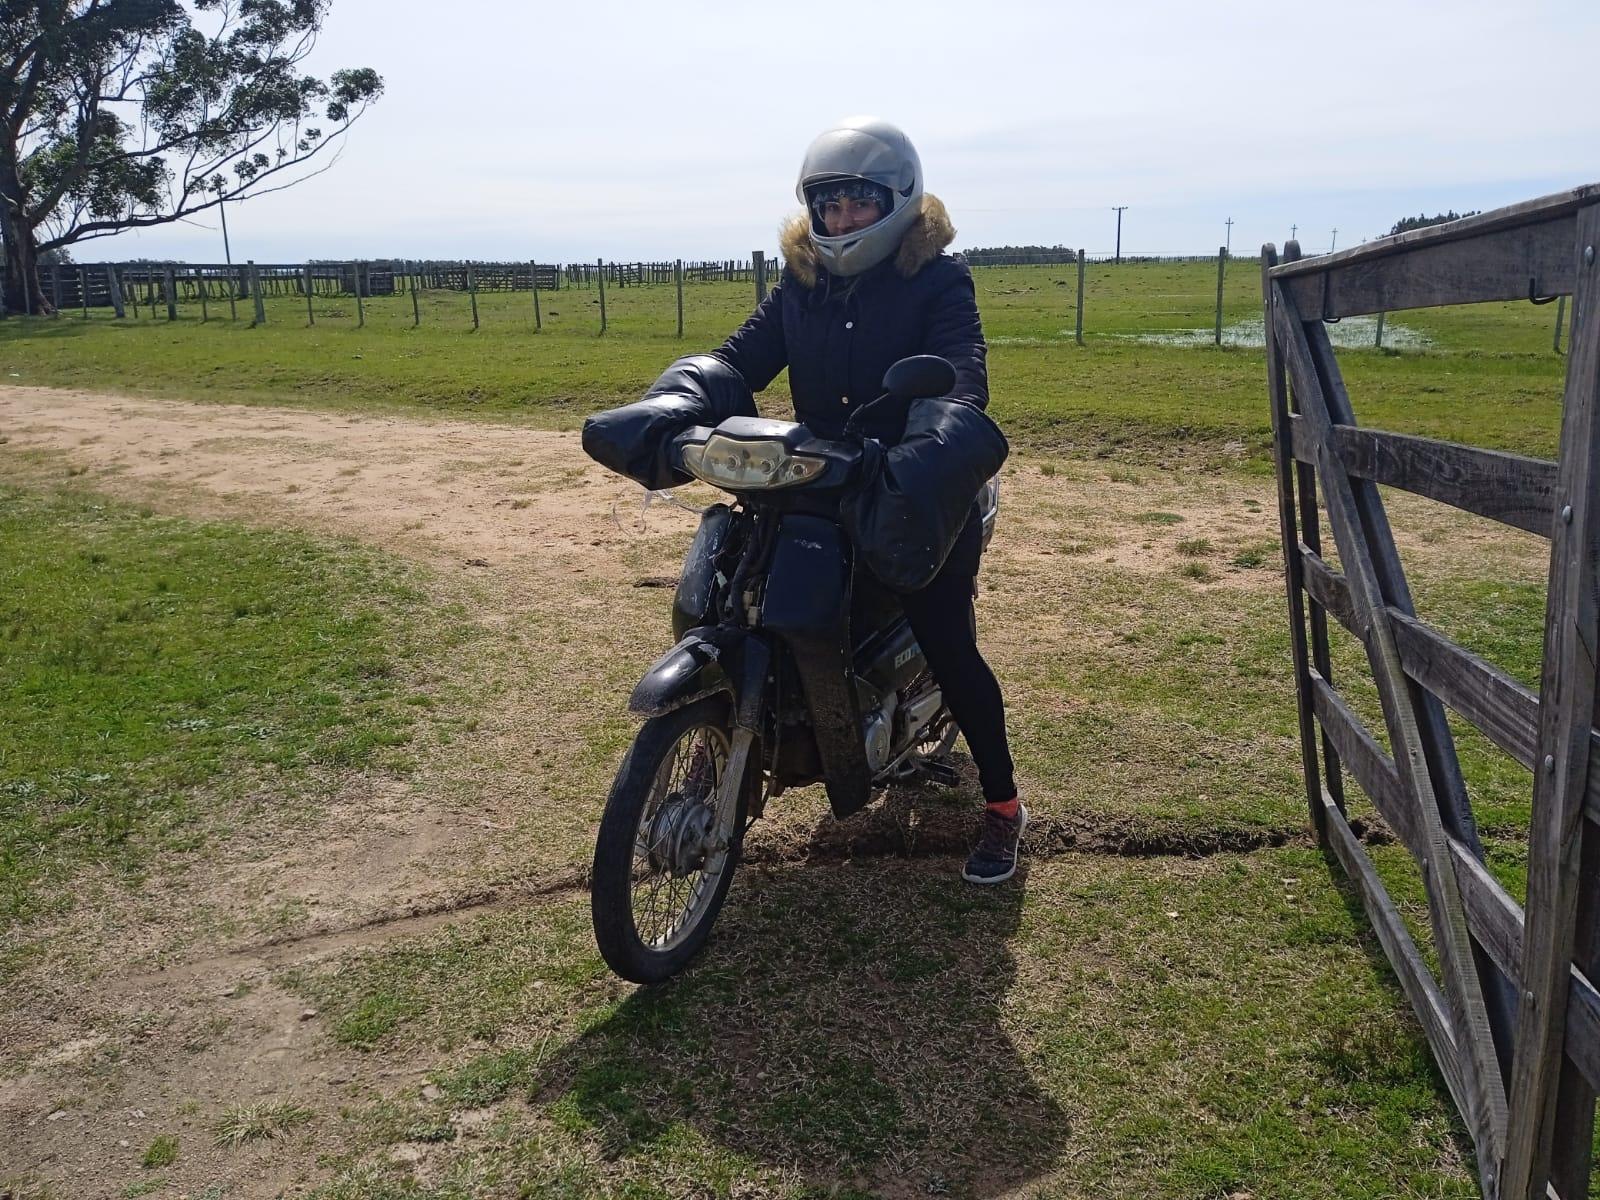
[{"x": 1006, "y": 808}]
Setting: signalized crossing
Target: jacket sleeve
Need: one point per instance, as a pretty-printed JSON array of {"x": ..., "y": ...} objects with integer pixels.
[
  {"x": 757, "y": 349},
  {"x": 698, "y": 389},
  {"x": 955, "y": 333},
  {"x": 906, "y": 516}
]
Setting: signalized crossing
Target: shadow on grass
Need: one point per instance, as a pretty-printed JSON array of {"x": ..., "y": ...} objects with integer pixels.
[
  {"x": 17, "y": 329},
  {"x": 844, "y": 1024},
  {"x": 1389, "y": 1052}
]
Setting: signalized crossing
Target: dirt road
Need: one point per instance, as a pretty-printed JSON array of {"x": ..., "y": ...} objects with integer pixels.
[{"x": 168, "y": 1000}]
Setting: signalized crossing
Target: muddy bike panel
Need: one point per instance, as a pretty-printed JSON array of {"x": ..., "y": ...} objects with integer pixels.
[
  {"x": 698, "y": 589},
  {"x": 807, "y": 606}
]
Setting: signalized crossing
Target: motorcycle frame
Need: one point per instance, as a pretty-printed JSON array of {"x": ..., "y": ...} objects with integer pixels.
[{"x": 799, "y": 566}]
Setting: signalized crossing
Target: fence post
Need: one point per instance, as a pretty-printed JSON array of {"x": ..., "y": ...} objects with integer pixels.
[
  {"x": 416, "y": 309},
  {"x": 255, "y": 292},
  {"x": 538, "y": 318},
  {"x": 200, "y": 287},
  {"x": 305, "y": 274},
  {"x": 472, "y": 291},
  {"x": 355, "y": 280},
  {"x": 55, "y": 289},
  {"x": 1377, "y": 339},
  {"x": 1078, "y": 321},
  {"x": 758, "y": 261},
  {"x": 600, "y": 273},
  {"x": 169, "y": 284},
  {"x": 83, "y": 290},
  {"x": 677, "y": 278},
  {"x": 115, "y": 289},
  {"x": 1222, "y": 266},
  {"x": 1561, "y": 313}
]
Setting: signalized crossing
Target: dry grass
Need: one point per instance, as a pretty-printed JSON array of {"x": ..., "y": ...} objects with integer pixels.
[{"x": 257, "y": 1122}]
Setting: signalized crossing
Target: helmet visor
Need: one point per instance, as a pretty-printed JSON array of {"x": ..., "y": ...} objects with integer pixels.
[{"x": 845, "y": 194}]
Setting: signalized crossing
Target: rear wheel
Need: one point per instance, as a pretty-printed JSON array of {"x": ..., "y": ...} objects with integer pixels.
[{"x": 665, "y": 857}]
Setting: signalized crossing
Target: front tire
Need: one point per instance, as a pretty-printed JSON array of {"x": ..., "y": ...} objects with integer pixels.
[{"x": 662, "y": 865}]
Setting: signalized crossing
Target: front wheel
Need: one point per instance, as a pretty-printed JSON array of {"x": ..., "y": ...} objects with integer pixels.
[{"x": 664, "y": 858}]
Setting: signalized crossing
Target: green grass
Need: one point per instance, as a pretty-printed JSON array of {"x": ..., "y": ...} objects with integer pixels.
[
  {"x": 162, "y": 1152},
  {"x": 152, "y": 663},
  {"x": 891, "y": 1028},
  {"x": 1165, "y": 1027},
  {"x": 1489, "y": 376}
]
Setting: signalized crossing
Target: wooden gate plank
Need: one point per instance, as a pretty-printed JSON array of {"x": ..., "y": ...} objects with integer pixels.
[
  {"x": 1506, "y": 264},
  {"x": 1510, "y": 488},
  {"x": 1362, "y": 535},
  {"x": 1282, "y": 457},
  {"x": 1566, "y": 720},
  {"x": 1498, "y": 706}
]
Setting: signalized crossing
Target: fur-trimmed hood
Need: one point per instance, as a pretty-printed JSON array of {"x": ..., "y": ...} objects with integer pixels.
[{"x": 930, "y": 233}]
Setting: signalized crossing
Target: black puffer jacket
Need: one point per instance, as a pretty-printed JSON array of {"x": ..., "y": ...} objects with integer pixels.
[{"x": 838, "y": 337}]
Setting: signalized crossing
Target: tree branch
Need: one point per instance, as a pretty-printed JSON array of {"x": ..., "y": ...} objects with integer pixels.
[{"x": 247, "y": 190}]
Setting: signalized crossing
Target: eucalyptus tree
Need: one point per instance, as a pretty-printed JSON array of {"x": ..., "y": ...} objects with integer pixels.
[{"x": 123, "y": 114}]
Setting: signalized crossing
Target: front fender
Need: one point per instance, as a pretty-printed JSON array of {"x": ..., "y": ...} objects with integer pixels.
[{"x": 690, "y": 670}]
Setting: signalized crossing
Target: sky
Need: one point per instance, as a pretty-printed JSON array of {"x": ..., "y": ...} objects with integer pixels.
[{"x": 625, "y": 130}]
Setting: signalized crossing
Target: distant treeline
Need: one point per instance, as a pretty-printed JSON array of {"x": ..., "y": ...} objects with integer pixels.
[
  {"x": 994, "y": 256},
  {"x": 1422, "y": 220}
]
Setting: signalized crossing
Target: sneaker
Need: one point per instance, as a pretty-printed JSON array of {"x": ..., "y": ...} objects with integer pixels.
[{"x": 994, "y": 859}]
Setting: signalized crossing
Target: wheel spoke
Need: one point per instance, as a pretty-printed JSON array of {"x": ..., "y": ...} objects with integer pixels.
[{"x": 666, "y": 903}]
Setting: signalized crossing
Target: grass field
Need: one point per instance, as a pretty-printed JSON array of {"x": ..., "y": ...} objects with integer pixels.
[
  {"x": 150, "y": 661},
  {"x": 318, "y": 701},
  {"x": 1488, "y": 374}
]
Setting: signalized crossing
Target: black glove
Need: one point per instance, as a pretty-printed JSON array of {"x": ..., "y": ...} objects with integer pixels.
[{"x": 636, "y": 439}]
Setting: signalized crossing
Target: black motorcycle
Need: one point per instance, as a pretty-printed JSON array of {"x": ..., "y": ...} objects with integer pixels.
[{"x": 791, "y": 667}]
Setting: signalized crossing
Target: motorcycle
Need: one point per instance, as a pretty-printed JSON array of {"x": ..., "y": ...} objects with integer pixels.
[{"x": 791, "y": 667}]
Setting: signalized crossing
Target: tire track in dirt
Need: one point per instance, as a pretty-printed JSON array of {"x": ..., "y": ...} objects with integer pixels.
[{"x": 541, "y": 535}]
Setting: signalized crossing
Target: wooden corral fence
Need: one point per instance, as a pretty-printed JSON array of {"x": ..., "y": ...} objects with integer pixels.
[
  {"x": 1513, "y": 1018},
  {"x": 88, "y": 285},
  {"x": 641, "y": 274}
]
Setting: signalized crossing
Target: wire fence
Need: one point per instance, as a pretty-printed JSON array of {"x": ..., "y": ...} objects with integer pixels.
[{"x": 1078, "y": 284}]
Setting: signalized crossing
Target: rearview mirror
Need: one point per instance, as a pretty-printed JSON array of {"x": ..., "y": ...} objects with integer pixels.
[{"x": 918, "y": 377}]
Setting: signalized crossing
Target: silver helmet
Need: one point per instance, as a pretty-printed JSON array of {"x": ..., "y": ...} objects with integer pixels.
[{"x": 857, "y": 150}]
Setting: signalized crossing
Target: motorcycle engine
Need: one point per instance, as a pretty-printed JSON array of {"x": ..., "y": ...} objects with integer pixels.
[{"x": 878, "y": 732}]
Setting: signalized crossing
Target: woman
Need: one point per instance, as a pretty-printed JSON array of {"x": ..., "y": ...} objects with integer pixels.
[{"x": 866, "y": 283}]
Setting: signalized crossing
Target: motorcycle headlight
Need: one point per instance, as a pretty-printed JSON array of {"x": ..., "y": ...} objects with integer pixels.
[{"x": 741, "y": 466}]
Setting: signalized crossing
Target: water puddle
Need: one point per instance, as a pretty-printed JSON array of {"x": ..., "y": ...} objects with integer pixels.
[{"x": 1352, "y": 333}]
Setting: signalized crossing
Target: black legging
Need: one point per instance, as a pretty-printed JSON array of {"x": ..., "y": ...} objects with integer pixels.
[{"x": 941, "y": 616}]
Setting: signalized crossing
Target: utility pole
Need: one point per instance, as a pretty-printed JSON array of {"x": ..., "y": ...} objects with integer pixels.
[
  {"x": 1228, "y": 245},
  {"x": 227, "y": 252},
  {"x": 1334, "y": 244},
  {"x": 1120, "y": 208}
]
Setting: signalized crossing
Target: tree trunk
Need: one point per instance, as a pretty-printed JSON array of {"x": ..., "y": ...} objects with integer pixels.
[{"x": 23, "y": 293}]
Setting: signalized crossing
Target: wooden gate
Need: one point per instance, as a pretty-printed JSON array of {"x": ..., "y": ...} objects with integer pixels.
[{"x": 1513, "y": 1018}]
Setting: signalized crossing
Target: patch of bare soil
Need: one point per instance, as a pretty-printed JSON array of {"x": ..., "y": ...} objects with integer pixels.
[
  {"x": 112, "y": 1016},
  {"x": 155, "y": 1012},
  {"x": 463, "y": 494}
]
